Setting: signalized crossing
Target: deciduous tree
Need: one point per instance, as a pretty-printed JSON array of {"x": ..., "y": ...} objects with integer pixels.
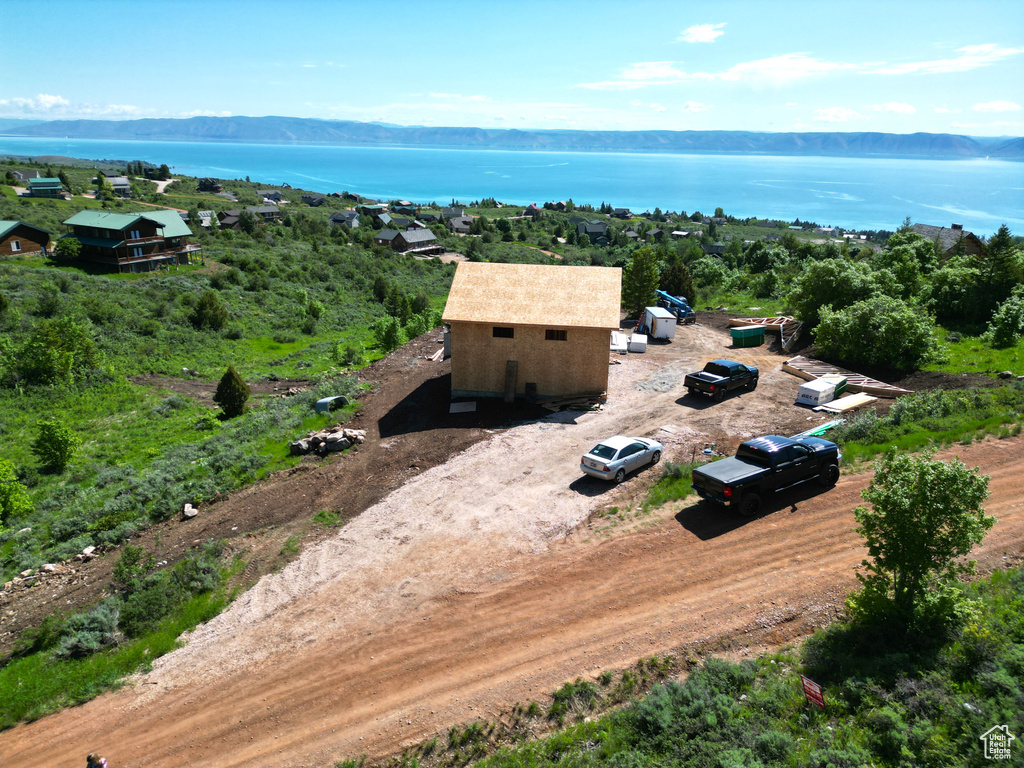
[
  {"x": 924, "y": 516},
  {"x": 68, "y": 248},
  {"x": 881, "y": 331}
]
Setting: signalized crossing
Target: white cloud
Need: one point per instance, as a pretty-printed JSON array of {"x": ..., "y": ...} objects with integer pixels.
[
  {"x": 44, "y": 102},
  {"x": 970, "y": 57},
  {"x": 899, "y": 107},
  {"x": 776, "y": 70},
  {"x": 996, "y": 106},
  {"x": 458, "y": 97},
  {"x": 694, "y": 106},
  {"x": 309, "y": 66},
  {"x": 786, "y": 68},
  {"x": 835, "y": 114},
  {"x": 52, "y": 107},
  {"x": 702, "y": 33},
  {"x": 658, "y": 107},
  {"x": 121, "y": 109}
]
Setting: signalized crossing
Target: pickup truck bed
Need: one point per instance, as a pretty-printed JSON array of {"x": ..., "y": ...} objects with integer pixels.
[
  {"x": 766, "y": 465},
  {"x": 720, "y": 377}
]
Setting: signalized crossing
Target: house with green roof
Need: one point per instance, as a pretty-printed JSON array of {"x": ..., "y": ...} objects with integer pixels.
[
  {"x": 133, "y": 242},
  {"x": 20, "y": 239},
  {"x": 45, "y": 187}
]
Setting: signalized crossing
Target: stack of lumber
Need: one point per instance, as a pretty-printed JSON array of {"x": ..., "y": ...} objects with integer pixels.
[
  {"x": 787, "y": 328},
  {"x": 809, "y": 370},
  {"x": 579, "y": 403},
  {"x": 847, "y": 403}
]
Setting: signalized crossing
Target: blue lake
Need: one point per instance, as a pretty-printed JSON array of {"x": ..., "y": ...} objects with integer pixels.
[{"x": 860, "y": 193}]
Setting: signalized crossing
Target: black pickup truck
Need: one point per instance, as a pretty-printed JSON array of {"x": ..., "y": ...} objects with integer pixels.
[
  {"x": 765, "y": 465},
  {"x": 719, "y": 377}
]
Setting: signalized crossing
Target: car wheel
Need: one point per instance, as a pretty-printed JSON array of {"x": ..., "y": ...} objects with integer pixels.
[
  {"x": 655, "y": 457},
  {"x": 620, "y": 476},
  {"x": 829, "y": 476},
  {"x": 719, "y": 395},
  {"x": 750, "y": 504},
  {"x": 691, "y": 391},
  {"x": 752, "y": 385}
]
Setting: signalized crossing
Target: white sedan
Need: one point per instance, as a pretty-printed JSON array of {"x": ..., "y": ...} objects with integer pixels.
[{"x": 614, "y": 458}]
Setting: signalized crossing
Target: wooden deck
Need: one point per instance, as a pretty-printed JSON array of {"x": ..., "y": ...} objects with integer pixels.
[
  {"x": 809, "y": 370},
  {"x": 787, "y": 328}
]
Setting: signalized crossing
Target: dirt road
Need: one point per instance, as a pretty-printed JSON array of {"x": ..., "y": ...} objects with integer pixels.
[{"x": 460, "y": 594}]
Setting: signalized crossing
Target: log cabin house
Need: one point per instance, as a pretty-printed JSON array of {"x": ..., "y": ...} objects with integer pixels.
[{"x": 133, "y": 242}]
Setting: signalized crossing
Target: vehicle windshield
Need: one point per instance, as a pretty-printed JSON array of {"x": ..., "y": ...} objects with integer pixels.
[
  {"x": 754, "y": 455},
  {"x": 603, "y": 451},
  {"x": 715, "y": 368}
]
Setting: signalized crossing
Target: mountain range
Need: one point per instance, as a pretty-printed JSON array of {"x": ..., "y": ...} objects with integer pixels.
[{"x": 297, "y": 130}]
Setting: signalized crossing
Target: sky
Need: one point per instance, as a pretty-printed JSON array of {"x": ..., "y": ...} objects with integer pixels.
[{"x": 900, "y": 66}]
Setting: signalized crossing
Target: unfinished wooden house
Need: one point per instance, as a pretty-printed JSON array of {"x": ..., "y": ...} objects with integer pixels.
[{"x": 531, "y": 331}]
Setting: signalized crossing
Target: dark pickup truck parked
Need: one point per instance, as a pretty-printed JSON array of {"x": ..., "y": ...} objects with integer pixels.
[
  {"x": 765, "y": 465},
  {"x": 719, "y": 377}
]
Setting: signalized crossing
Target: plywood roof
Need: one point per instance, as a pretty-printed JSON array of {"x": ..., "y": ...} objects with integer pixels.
[{"x": 532, "y": 294}]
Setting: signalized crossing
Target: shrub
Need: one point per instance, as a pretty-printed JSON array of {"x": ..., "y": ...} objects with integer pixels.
[
  {"x": 145, "y": 607},
  {"x": 132, "y": 567},
  {"x": 388, "y": 333},
  {"x": 56, "y": 444},
  {"x": 67, "y": 248},
  {"x": 231, "y": 394},
  {"x": 1007, "y": 324},
  {"x": 87, "y": 633},
  {"x": 14, "y": 498},
  {"x": 577, "y": 696},
  {"x": 208, "y": 313},
  {"x": 349, "y": 354},
  {"x": 56, "y": 353},
  {"x": 880, "y": 331}
]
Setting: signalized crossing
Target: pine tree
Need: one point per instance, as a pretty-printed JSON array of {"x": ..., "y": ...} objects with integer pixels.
[{"x": 231, "y": 394}]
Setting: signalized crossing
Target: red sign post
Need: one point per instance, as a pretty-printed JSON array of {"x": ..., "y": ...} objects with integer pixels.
[{"x": 813, "y": 691}]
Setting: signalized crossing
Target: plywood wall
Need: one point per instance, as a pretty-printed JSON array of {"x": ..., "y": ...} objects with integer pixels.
[{"x": 576, "y": 366}]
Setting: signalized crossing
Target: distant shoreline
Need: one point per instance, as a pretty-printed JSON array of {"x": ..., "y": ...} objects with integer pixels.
[
  {"x": 551, "y": 150},
  {"x": 289, "y": 131}
]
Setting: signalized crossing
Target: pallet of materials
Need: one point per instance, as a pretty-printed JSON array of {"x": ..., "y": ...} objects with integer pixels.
[
  {"x": 787, "y": 328},
  {"x": 810, "y": 370}
]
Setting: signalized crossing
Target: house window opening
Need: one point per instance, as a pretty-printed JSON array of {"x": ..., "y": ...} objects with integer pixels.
[
  {"x": 501, "y": 332},
  {"x": 15, "y": 245},
  {"x": 552, "y": 334}
]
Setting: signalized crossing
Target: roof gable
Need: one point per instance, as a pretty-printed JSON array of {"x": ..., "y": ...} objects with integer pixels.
[
  {"x": 171, "y": 221},
  {"x": 6, "y": 227},
  {"x": 532, "y": 294}
]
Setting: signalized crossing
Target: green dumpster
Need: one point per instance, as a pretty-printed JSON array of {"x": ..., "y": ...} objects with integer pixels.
[{"x": 747, "y": 336}]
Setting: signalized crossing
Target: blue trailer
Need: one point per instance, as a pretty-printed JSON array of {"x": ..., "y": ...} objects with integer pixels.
[{"x": 678, "y": 306}]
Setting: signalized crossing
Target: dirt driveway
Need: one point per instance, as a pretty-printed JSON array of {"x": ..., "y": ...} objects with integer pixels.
[{"x": 463, "y": 592}]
